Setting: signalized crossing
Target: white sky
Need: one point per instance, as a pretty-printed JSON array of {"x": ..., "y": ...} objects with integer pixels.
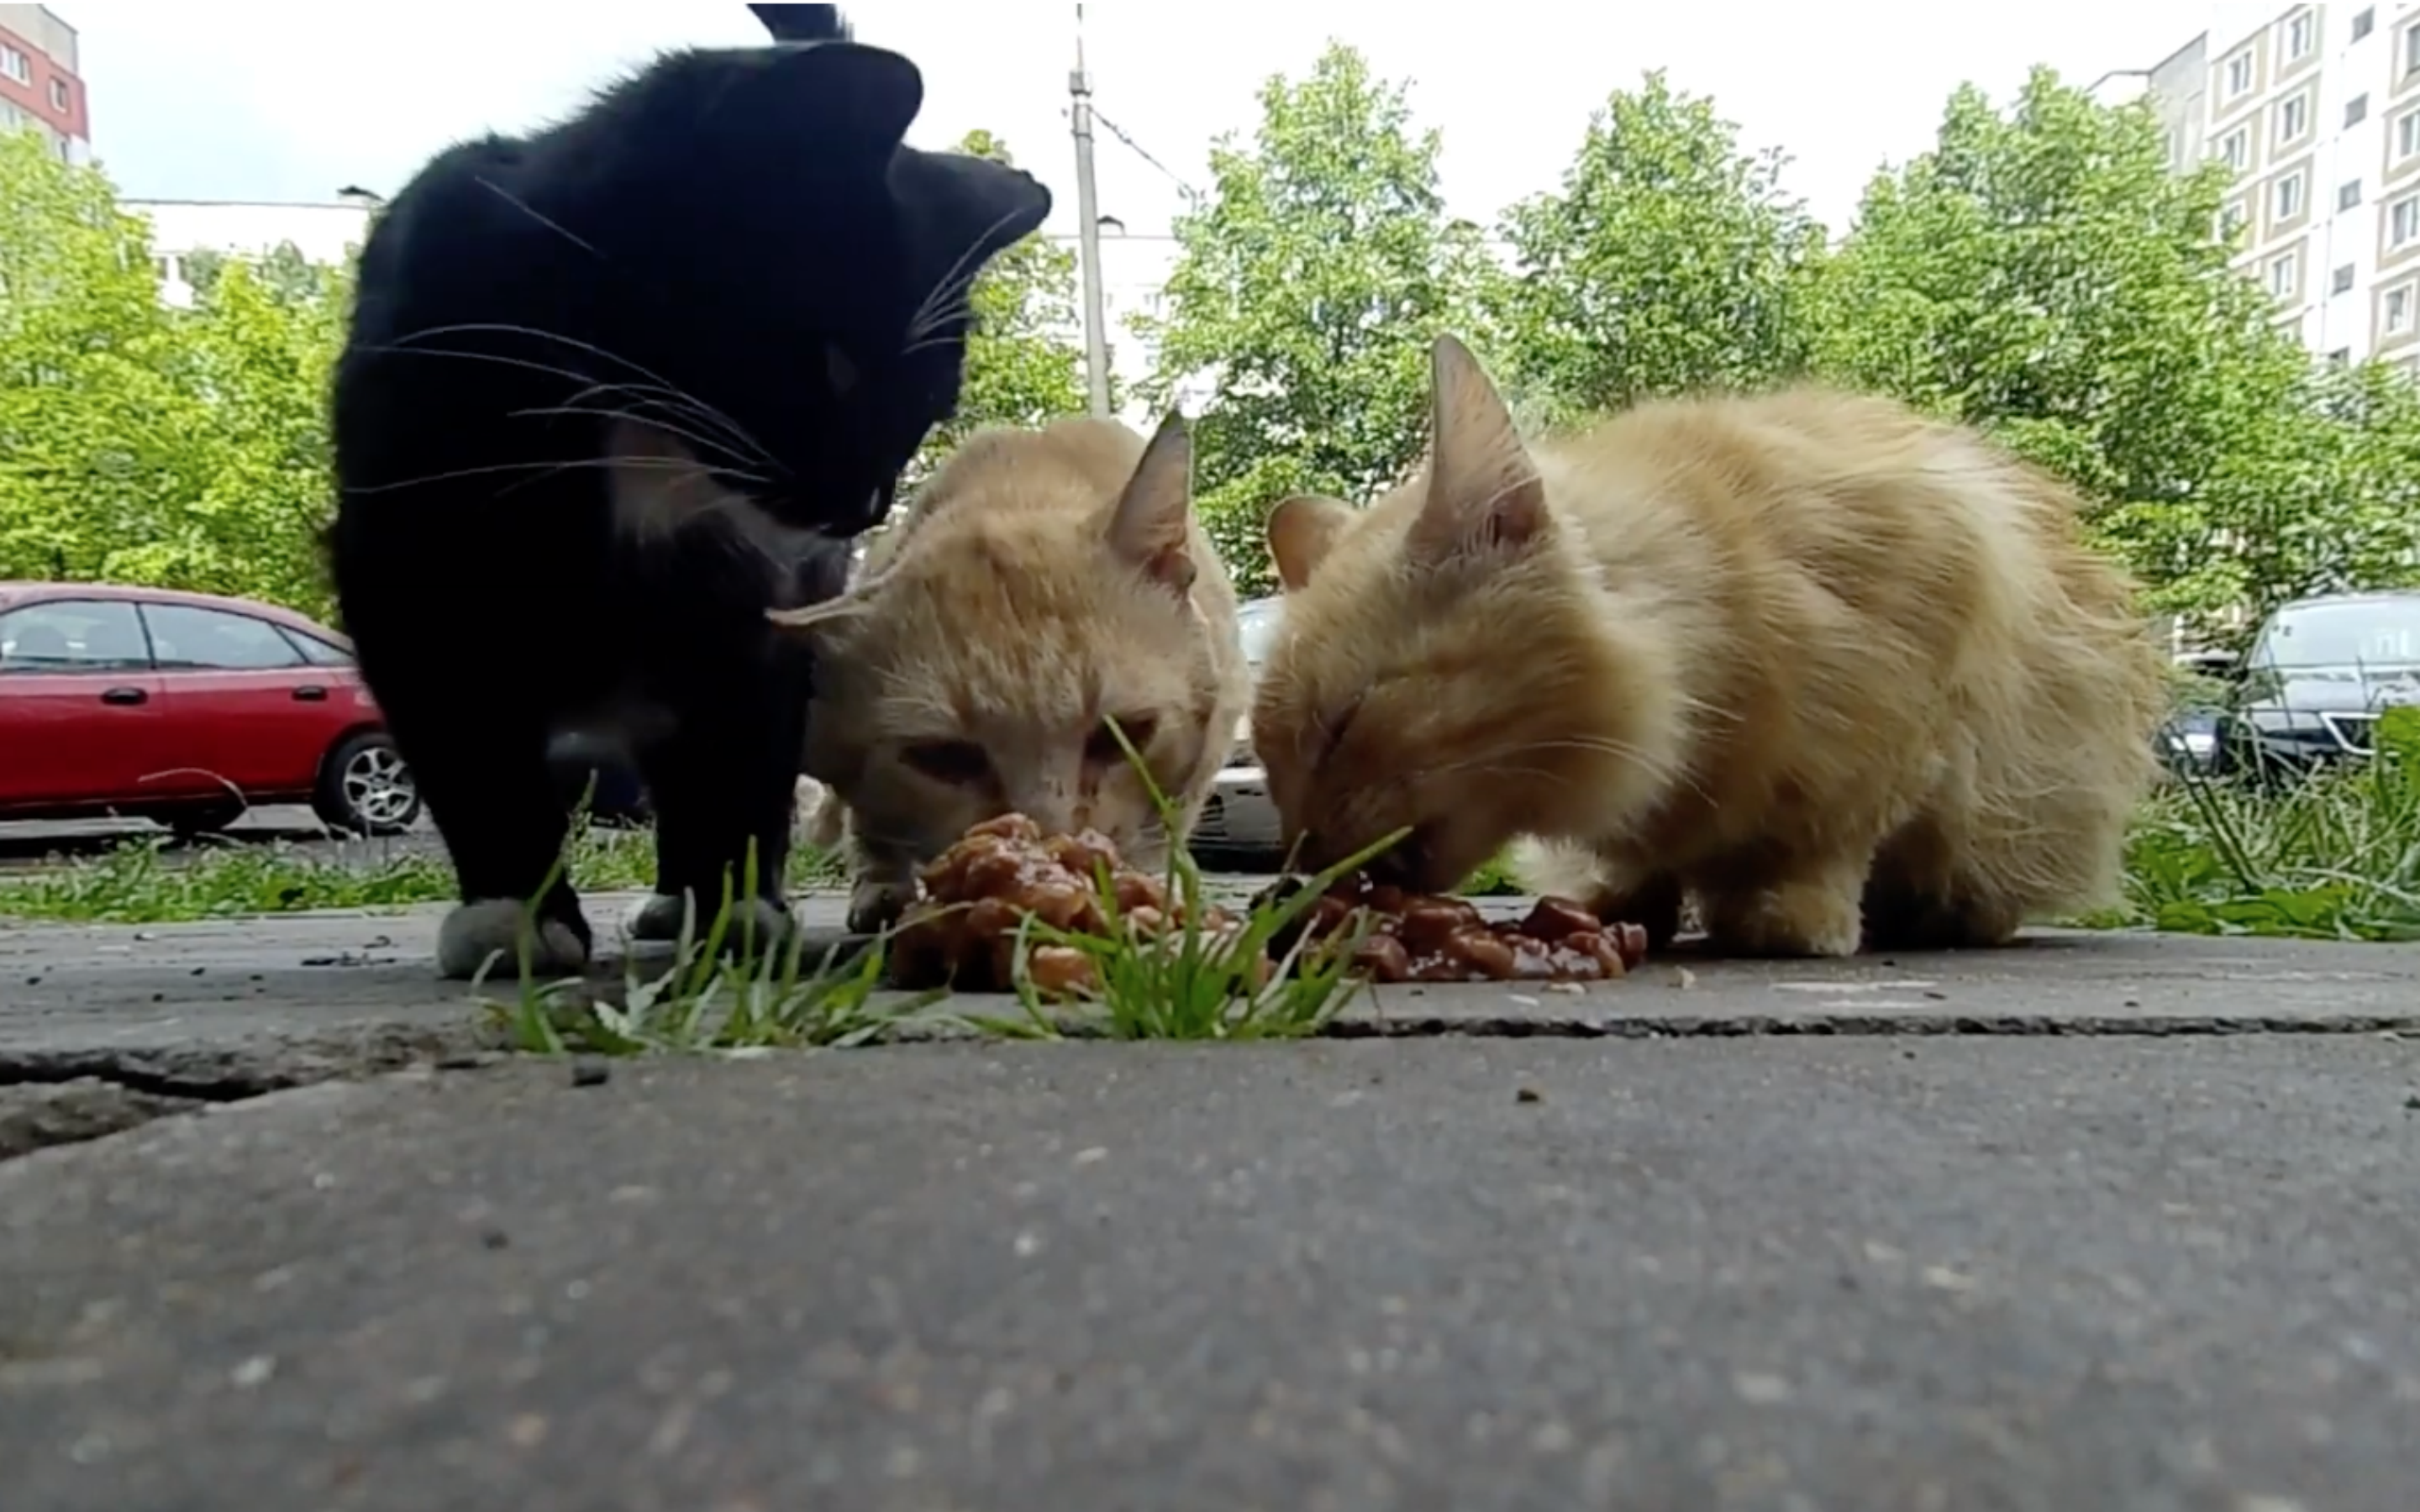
[{"x": 299, "y": 99}]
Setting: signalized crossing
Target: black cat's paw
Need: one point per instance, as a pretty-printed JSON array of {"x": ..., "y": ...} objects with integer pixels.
[
  {"x": 661, "y": 918},
  {"x": 475, "y": 935}
]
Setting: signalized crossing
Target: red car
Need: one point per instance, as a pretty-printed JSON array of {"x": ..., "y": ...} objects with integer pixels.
[{"x": 186, "y": 709}]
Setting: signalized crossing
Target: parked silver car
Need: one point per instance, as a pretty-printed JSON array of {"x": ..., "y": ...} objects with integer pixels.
[{"x": 1239, "y": 815}]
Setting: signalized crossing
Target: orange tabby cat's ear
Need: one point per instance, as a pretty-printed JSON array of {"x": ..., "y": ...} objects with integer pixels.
[
  {"x": 1302, "y": 531},
  {"x": 1151, "y": 527},
  {"x": 1485, "y": 492}
]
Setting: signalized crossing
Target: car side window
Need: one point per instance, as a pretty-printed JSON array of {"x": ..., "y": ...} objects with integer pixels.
[
  {"x": 317, "y": 652},
  {"x": 75, "y": 636},
  {"x": 189, "y": 639}
]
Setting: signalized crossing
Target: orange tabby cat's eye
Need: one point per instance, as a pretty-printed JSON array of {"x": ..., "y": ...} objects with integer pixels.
[
  {"x": 1103, "y": 749},
  {"x": 958, "y": 763}
]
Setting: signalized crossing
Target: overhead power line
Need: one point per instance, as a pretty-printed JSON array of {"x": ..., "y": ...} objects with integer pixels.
[{"x": 1144, "y": 153}]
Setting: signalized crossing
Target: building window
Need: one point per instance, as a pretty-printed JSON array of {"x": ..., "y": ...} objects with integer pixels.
[
  {"x": 2412, "y": 49},
  {"x": 2235, "y": 148},
  {"x": 2399, "y": 310},
  {"x": 59, "y": 96},
  {"x": 2239, "y": 73},
  {"x": 2348, "y": 195},
  {"x": 2288, "y": 201},
  {"x": 2356, "y": 110},
  {"x": 2407, "y": 134},
  {"x": 2363, "y": 20},
  {"x": 14, "y": 64},
  {"x": 2283, "y": 269},
  {"x": 2294, "y": 118},
  {"x": 2303, "y": 35},
  {"x": 2231, "y": 221},
  {"x": 2341, "y": 357},
  {"x": 2342, "y": 282},
  {"x": 2403, "y": 222}
]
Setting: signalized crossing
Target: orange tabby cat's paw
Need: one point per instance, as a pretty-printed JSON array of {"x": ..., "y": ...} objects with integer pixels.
[
  {"x": 875, "y": 903},
  {"x": 1791, "y": 919}
]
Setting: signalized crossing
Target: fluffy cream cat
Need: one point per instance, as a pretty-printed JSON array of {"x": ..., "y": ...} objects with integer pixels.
[
  {"x": 1042, "y": 584},
  {"x": 1837, "y": 671}
]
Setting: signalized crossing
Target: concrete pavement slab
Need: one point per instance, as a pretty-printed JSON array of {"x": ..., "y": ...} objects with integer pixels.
[
  {"x": 1768, "y": 1275},
  {"x": 78, "y": 998}
]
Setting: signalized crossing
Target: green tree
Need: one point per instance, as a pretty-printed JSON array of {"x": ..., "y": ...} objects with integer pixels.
[
  {"x": 1309, "y": 282},
  {"x": 138, "y": 444},
  {"x": 1670, "y": 260},
  {"x": 96, "y": 404},
  {"x": 263, "y": 337},
  {"x": 1025, "y": 362},
  {"x": 2043, "y": 273}
]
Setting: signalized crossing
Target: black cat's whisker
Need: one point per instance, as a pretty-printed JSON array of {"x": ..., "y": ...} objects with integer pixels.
[
  {"x": 929, "y": 343},
  {"x": 953, "y": 284},
  {"x": 705, "y": 444},
  {"x": 958, "y": 308},
  {"x": 661, "y": 464},
  {"x": 677, "y": 404},
  {"x": 672, "y": 399},
  {"x": 527, "y": 209},
  {"x": 669, "y": 387}
]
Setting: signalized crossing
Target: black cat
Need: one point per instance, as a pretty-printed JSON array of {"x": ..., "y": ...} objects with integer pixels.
[{"x": 612, "y": 391}]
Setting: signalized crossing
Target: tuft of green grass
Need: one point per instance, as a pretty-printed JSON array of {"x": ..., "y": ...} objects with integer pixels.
[
  {"x": 721, "y": 994},
  {"x": 1194, "y": 982},
  {"x": 2334, "y": 858},
  {"x": 1494, "y": 880},
  {"x": 144, "y": 882}
]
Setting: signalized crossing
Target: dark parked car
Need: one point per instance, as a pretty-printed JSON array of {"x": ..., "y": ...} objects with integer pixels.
[
  {"x": 186, "y": 709},
  {"x": 2319, "y": 675}
]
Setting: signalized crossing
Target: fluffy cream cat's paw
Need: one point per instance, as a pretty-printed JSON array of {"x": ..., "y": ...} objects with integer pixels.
[
  {"x": 1792, "y": 919},
  {"x": 475, "y": 933},
  {"x": 659, "y": 921},
  {"x": 876, "y": 903}
]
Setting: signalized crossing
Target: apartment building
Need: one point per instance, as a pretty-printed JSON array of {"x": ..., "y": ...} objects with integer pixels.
[
  {"x": 39, "y": 83},
  {"x": 322, "y": 232},
  {"x": 2316, "y": 108}
]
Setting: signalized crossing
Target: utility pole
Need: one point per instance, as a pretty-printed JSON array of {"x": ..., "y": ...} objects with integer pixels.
[{"x": 1088, "y": 236}]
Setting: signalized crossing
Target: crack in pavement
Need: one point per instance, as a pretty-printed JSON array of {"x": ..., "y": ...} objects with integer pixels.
[
  {"x": 1866, "y": 1026},
  {"x": 50, "y": 1099}
]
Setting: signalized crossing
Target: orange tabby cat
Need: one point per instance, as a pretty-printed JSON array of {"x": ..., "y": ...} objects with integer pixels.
[
  {"x": 1838, "y": 671},
  {"x": 1043, "y": 584}
]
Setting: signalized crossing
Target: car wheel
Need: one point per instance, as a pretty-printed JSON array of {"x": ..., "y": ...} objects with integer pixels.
[{"x": 365, "y": 788}]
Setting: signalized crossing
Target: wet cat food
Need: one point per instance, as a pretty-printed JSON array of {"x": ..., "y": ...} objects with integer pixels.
[
  {"x": 963, "y": 932},
  {"x": 1417, "y": 937}
]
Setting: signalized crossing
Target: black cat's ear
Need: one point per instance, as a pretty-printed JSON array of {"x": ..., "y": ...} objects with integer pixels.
[
  {"x": 846, "y": 94},
  {"x": 803, "y": 24}
]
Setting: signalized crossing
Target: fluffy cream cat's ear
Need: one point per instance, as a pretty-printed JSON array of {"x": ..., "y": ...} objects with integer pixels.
[
  {"x": 1152, "y": 525},
  {"x": 1484, "y": 493},
  {"x": 1302, "y": 531}
]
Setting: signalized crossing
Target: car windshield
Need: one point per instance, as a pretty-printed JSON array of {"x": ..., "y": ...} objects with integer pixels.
[
  {"x": 2377, "y": 632},
  {"x": 1258, "y": 623}
]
